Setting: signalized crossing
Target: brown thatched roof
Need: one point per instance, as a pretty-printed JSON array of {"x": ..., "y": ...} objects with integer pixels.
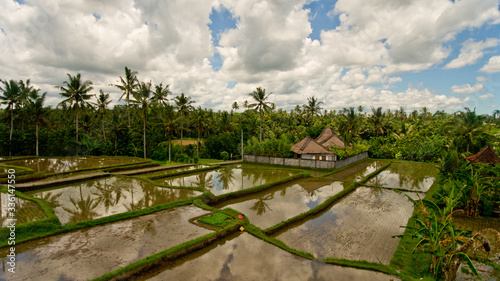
[
  {"x": 309, "y": 146},
  {"x": 486, "y": 155},
  {"x": 328, "y": 138}
]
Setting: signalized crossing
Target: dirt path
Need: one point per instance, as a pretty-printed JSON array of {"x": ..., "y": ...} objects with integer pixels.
[{"x": 149, "y": 170}]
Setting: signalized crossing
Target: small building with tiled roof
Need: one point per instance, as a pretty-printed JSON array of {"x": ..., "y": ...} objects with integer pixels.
[
  {"x": 319, "y": 148},
  {"x": 486, "y": 155}
]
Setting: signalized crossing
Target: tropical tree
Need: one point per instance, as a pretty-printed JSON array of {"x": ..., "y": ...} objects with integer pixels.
[
  {"x": 9, "y": 97},
  {"x": 184, "y": 107},
  {"x": 142, "y": 98},
  {"x": 235, "y": 106},
  {"x": 102, "y": 103},
  {"x": 377, "y": 119},
  {"x": 35, "y": 107},
  {"x": 468, "y": 125},
  {"x": 167, "y": 120},
  {"x": 349, "y": 124},
  {"x": 312, "y": 107},
  {"x": 76, "y": 93},
  {"x": 260, "y": 105},
  {"x": 128, "y": 84},
  {"x": 160, "y": 94}
]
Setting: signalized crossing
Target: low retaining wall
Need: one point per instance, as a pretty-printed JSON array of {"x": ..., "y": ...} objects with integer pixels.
[{"x": 306, "y": 163}]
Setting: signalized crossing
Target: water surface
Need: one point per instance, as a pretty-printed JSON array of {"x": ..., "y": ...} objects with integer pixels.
[
  {"x": 91, "y": 252},
  {"x": 244, "y": 257},
  {"x": 103, "y": 197},
  {"x": 412, "y": 176},
  {"x": 227, "y": 179},
  {"x": 270, "y": 207},
  {"x": 357, "y": 227},
  {"x": 25, "y": 210},
  {"x": 64, "y": 164},
  {"x": 358, "y": 171}
]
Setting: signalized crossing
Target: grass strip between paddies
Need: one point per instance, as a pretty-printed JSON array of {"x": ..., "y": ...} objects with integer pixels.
[{"x": 345, "y": 167}]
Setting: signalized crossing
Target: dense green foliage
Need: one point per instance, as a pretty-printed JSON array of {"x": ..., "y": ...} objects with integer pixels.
[{"x": 152, "y": 118}]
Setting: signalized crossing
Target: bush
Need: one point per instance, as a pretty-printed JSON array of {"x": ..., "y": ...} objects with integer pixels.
[{"x": 224, "y": 155}]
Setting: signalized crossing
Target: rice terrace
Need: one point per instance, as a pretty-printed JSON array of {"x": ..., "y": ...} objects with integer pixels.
[{"x": 250, "y": 140}]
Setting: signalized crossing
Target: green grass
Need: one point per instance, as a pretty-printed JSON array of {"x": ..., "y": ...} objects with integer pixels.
[
  {"x": 209, "y": 161},
  {"x": 216, "y": 219}
]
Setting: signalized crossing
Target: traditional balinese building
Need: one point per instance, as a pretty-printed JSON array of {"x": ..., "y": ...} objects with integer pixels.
[
  {"x": 486, "y": 155},
  {"x": 319, "y": 148}
]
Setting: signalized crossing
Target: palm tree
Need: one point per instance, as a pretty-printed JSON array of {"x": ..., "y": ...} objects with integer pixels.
[
  {"x": 199, "y": 123},
  {"x": 168, "y": 121},
  {"x": 128, "y": 85},
  {"x": 10, "y": 97},
  {"x": 160, "y": 94},
  {"x": 312, "y": 107},
  {"x": 184, "y": 107},
  {"x": 102, "y": 103},
  {"x": 235, "y": 106},
  {"x": 35, "y": 106},
  {"x": 496, "y": 114},
  {"x": 117, "y": 125},
  {"x": 350, "y": 124},
  {"x": 468, "y": 124},
  {"x": 377, "y": 119},
  {"x": 24, "y": 91},
  {"x": 259, "y": 95},
  {"x": 76, "y": 94},
  {"x": 143, "y": 98}
]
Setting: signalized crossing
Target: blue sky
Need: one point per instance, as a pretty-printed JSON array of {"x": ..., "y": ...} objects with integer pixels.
[{"x": 439, "y": 54}]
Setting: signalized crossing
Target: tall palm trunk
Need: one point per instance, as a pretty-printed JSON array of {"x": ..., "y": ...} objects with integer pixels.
[
  {"x": 144, "y": 130},
  {"x": 103, "y": 131},
  {"x": 76, "y": 134},
  {"x": 11, "y": 129},
  {"x": 36, "y": 131},
  {"x": 128, "y": 113}
]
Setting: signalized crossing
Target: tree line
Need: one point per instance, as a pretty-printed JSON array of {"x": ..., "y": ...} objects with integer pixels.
[{"x": 83, "y": 123}]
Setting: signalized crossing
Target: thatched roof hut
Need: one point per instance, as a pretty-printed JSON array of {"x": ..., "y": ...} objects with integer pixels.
[
  {"x": 328, "y": 138},
  {"x": 309, "y": 146},
  {"x": 319, "y": 148},
  {"x": 486, "y": 155}
]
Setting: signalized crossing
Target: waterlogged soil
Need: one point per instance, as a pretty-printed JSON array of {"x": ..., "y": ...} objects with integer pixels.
[
  {"x": 93, "y": 199},
  {"x": 406, "y": 175},
  {"x": 270, "y": 207},
  {"x": 24, "y": 210},
  {"x": 358, "y": 172},
  {"x": 227, "y": 179},
  {"x": 244, "y": 257},
  {"x": 357, "y": 227},
  {"x": 170, "y": 171},
  {"x": 64, "y": 164},
  {"x": 89, "y": 253},
  {"x": 476, "y": 224}
]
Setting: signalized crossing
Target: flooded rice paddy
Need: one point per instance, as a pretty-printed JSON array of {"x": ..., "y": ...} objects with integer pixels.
[
  {"x": 227, "y": 179},
  {"x": 358, "y": 172},
  {"x": 358, "y": 227},
  {"x": 269, "y": 207},
  {"x": 89, "y": 253},
  {"x": 64, "y": 164},
  {"x": 103, "y": 197},
  {"x": 244, "y": 257},
  {"x": 25, "y": 210},
  {"x": 406, "y": 175}
]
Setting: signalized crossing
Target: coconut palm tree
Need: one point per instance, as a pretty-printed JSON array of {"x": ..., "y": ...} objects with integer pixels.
[
  {"x": 142, "y": 97},
  {"x": 102, "y": 103},
  {"x": 167, "y": 120},
  {"x": 160, "y": 94},
  {"x": 235, "y": 106},
  {"x": 259, "y": 95},
  {"x": 77, "y": 95},
  {"x": 312, "y": 107},
  {"x": 128, "y": 84},
  {"x": 467, "y": 125},
  {"x": 10, "y": 98},
  {"x": 184, "y": 107},
  {"x": 377, "y": 119},
  {"x": 35, "y": 107}
]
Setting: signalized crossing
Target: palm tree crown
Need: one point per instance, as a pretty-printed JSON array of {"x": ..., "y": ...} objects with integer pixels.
[{"x": 259, "y": 95}]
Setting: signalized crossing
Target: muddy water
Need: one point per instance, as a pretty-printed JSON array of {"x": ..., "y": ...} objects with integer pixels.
[
  {"x": 64, "y": 164},
  {"x": 358, "y": 227},
  {"x": 244, "y": 257},
  {"x": 228, "y": 179},
  {"x": 25, "y": 210},
  {"x": 359, "y": 171},
  {"x": 267, "y": 208},
  {"x": 407, "y": 175},
  {"x": 174, "y": 170},
  {"x": 103, "y": 197},
  {"x": 89, "y": 253}
]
